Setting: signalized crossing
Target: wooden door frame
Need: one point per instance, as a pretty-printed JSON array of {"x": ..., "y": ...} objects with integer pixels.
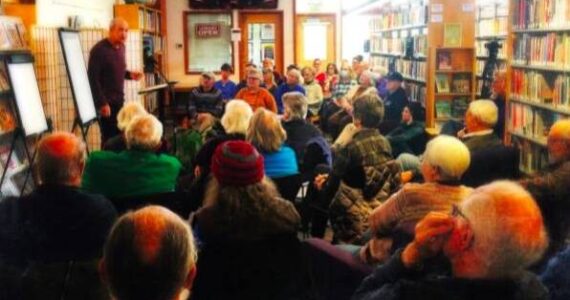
[
  {"x": 242, "y": 52},
  {"x": 316, "y": 15},
  {"x": 185, "y": 15}
]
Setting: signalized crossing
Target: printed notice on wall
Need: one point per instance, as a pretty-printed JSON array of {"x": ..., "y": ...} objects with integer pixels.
[
  {"x": 436, "y": 8},
  {"x": 467, "y": 7},
  {"x": 436, "y": 18}
]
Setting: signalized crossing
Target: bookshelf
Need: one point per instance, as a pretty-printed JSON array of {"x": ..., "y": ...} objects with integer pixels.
[
  {"x": 540, "y": 71},
  {"x": 399, "y": 42}
]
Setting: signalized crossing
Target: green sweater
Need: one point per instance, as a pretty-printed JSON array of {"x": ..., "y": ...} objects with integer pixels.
[{"x": 130, "y": 173}]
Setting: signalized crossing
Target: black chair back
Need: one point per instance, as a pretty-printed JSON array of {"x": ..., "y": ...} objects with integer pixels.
[
  {"x": 289, "y": 186},
  {"x": 180, "y": 203},
  {"x": 491, "y": 164}
]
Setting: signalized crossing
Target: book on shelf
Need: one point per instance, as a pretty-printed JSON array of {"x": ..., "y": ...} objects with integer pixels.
[
  {"x": 481, "y": 50},
  {"x": 12, "y": 33},
  {"x": 534, "y": 123},
  {"x": 400, "y": 16},
  {"x": 412, "y": 68},
  {"x": 442, "y": 83},
  {"x": 461, "y": 83},
  {"x": 459, "y": 107},
  {"x": 7, "y": 119},
  {"x": 543, "y": 88},
  {"x": 534, "y": 14},
  {"x": 492, "y": 27},
  {"x": 551, "y": 49},
  {"x": 532, "y": 158},
  {"x": 444, "y": 60},
  {"x": 416, "y": 92},
  {"x": 442, "y": 108}
]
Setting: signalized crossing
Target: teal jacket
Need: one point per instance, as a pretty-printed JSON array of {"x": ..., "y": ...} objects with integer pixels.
[{"x": 130, "y": 173}]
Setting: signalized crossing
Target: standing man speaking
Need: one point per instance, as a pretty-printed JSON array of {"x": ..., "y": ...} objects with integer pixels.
[{"x": 107, "y": 72}]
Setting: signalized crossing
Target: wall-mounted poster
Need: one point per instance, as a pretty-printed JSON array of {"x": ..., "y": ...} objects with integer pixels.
[
  {"x": 452, "y": 35},
  {"x": 208, "y": 30}
]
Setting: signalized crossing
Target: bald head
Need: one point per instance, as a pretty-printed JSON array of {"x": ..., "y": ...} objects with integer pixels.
[
  {"x": 559, "y": 141},
  {"x": 118, "y": 30},
  {"x": 61, "y": 158},
  {"x": 157, "y": 246}
]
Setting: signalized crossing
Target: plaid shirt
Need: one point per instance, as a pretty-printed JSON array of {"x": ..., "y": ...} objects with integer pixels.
[{"x": 342, "y": 88}]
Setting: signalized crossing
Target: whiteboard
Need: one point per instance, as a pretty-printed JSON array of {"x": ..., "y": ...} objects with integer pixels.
[
  {"x": 28, "y": 100},
  {"x": 77, "y": 72}
]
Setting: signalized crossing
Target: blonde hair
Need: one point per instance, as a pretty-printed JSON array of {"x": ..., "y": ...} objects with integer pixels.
[
  {"x": 449, "y": 155},
  {"x": 237, "y": 116},
  {"x": 144, "y": 133},
  {"x": 265, "y": 131},
  {"x": 129, "y": 111},
  {"x": 561, "y": 128},
  {"x": 485, "y": 111}
]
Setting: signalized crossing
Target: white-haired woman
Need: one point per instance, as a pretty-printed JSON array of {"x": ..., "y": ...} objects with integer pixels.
[
  {"x": 292, "y": 84},
  {"x": 392, "y": 224},
  {"x": 136, "y": 171},
  {"x": 128, "y": 112}
]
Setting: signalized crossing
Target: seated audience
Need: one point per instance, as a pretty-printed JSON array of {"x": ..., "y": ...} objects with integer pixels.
[
  {"x": 409, "y": 136},
  {"x": 268, "y": 63},
  {"x": 319, "y": 73},
  {"x": 557, "y": 276},
  {"x": 392, "y": 224},
  {"x": 361, "y": 177},
  {"x": 330, "y": 81},
  {"x": 357, "y": 66},
  {"x": 480, "y": 118},
  {"x": 292, "y": 84},
  {"x": 255, "y": 95},
  {"x": 150, "y": 254},
  {"x": 300, "y": 132},
  {"x": 136, "y": 171},
  {"x": 345, "y": 84},
  {"x": 313, "y": 91},
  {"x": 489, "y": 240},
  {"x": 266, "y": 133},
  {"x": 243, "y": 83},
  {"x": 129, "y": 111},
  {"x": 247, "y": 234},
  {"x": 269, "y": 81},
  {"x": 205, "y": 104},
  {"x": 396, "y": 99},
  {"x": 551, "y": 188},
  {"x": 235, "y": 123},
  {"x": 381, "y": 81},
  {"x": 225, "y": 84},
  {"x": 56, "y": 228}
]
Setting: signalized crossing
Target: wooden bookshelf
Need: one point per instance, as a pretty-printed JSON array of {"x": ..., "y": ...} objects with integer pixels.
[{"x": 540, "y": 79}]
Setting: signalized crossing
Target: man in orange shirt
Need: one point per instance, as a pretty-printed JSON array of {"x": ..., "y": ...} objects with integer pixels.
[{"x": 255, "y": 95}]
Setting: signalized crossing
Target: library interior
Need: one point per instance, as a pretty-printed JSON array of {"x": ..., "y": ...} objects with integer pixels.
[{"x": 382, "y": 149}]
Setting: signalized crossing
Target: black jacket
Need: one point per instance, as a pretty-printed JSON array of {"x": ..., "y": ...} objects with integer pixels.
[
  {"x": 394, "y": 105},
  {"x": 393, "y": 281},
  {"x": 54, "y": 224}
]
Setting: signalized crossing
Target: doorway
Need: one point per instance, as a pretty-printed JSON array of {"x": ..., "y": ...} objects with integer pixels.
[
  {"x": 315, "y": 37},
  {"x": 261, "y": 38}
]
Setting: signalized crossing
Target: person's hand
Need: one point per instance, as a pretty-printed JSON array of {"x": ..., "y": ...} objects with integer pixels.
[
  {"x": 105, "y": 111},
  {"x": 461, "y": 133},
  {"x": 431, "y": 234},
  {"x": 136, "y": 75},
  {"x": 197, "y": 172},
  {"x": 320, "y": 181},
  {"x": 406, "y": 176},
  {"x": 201, "y": 117}
]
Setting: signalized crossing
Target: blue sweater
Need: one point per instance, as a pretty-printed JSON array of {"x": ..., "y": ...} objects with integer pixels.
[
  {"x": 281, "y": 163},
  {"x": 285, "y": 88},
  {"x": 229, "y": 90}
]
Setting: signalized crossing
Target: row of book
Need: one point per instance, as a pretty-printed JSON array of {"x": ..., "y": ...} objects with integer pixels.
[
  {"x": 482, "y": 51},
  {"x": 536, "y": 86},
  {"x": 492, "y": 10},
  {"x": 492, "y": 27},
  {"x": 402, "y": 16},
  {"x": 412, "y": 68},
  {"x": 416, "y": 92},
  {"x": 534, "y": 123},
  {"x": 460, "y": 83},
  {"x": 454, "y": 108},
  {"x": 150, "y": 20},
  {"x": 381, "y": 61},
  {"x": 532, "y": 158},
  {"x": 533, "y": 14},
  {"x": 12, "y": 33},
  {"x": 550, "y": 49},
  {"x": 412, "y": 46}
]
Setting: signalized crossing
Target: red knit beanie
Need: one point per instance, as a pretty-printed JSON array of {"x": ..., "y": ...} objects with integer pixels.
[{"x": 237, "y": 163}]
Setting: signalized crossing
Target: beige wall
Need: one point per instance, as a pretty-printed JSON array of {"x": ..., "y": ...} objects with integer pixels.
[
  {"x": 176, "y": 69},
  {"x": 93, "y": 13}
]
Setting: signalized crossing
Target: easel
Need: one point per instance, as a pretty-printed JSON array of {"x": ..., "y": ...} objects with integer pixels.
[
  {"x": 21, "y": 132},
  {"x": 83, "y": 127}
]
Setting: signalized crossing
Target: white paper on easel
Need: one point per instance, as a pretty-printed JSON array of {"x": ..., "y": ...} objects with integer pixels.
[{"x": 315, "y": 35}]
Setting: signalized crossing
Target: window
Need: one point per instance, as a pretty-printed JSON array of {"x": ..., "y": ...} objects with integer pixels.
[{"x": 207, "y": 41}]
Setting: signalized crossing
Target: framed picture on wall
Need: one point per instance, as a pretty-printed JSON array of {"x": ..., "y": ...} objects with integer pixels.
[
  {"x": 268, "y": 32},
  {"x": 452, "y": 36}
]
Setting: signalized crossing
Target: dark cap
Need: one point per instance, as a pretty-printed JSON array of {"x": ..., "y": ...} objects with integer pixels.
[
  {"x": 395, "y": 76},
  {"x": 226, "y": 67}
]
